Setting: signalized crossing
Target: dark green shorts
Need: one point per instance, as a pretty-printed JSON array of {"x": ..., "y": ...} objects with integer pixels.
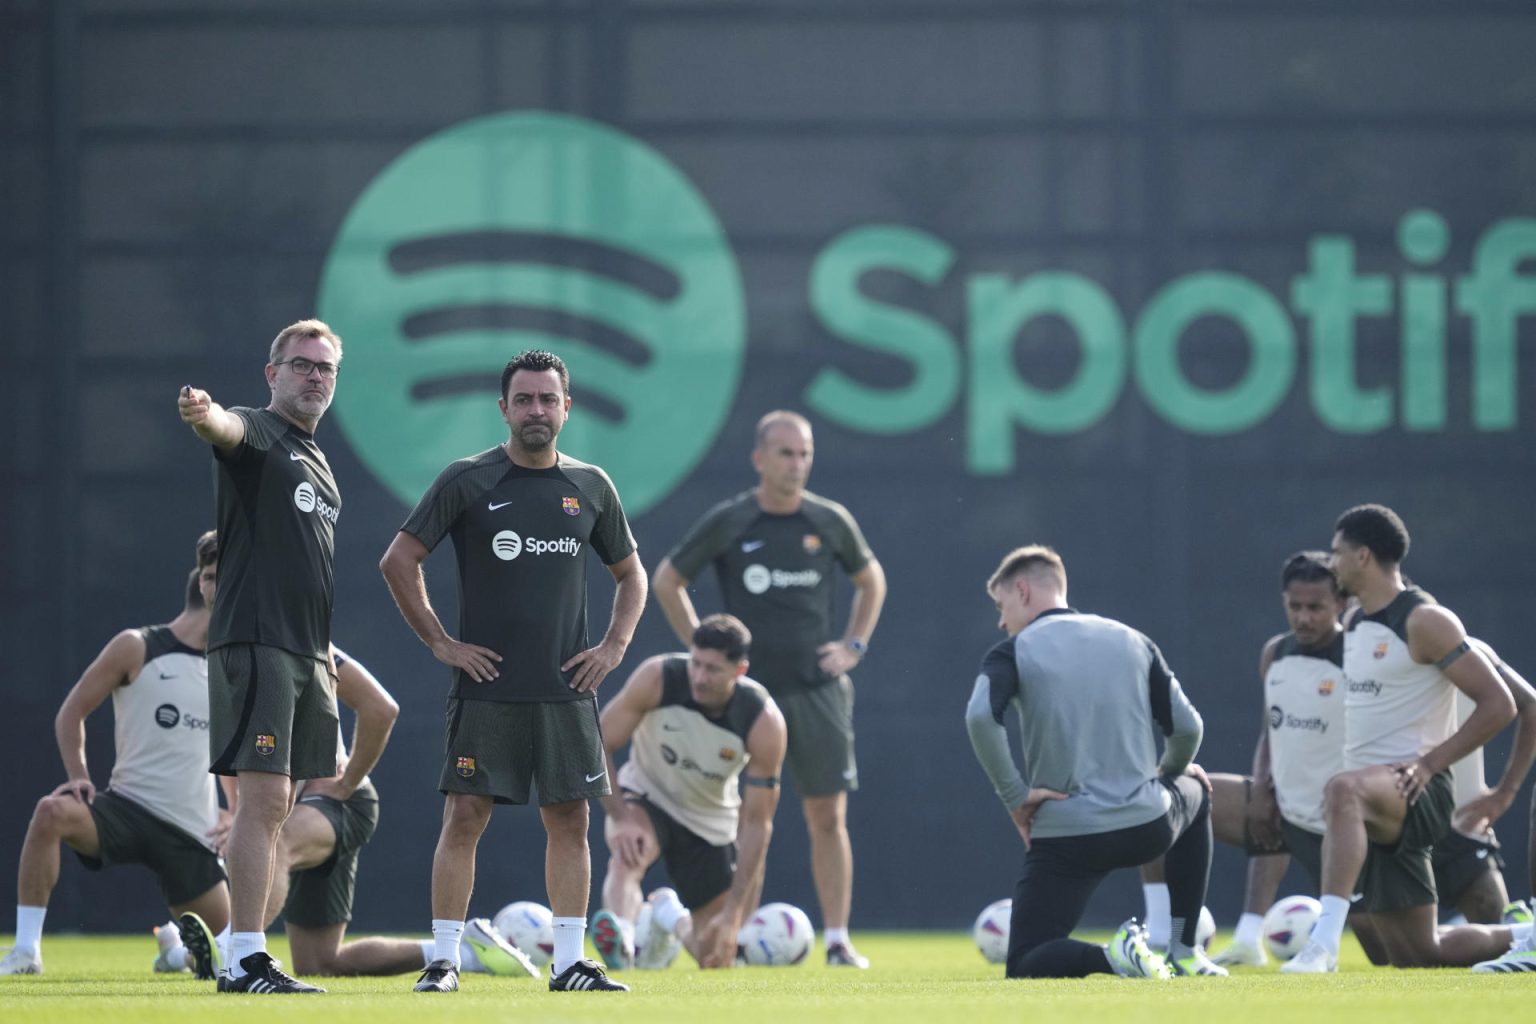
[
  {"x": 270, "y": 710},
  {"x": 699, "y": 870},
  {"x": 129, "y": 834},
  {"x": 502, "y": 749},
  {"x": 1306, "y": 847},
  {"x": 820, "y": 725},
  {"x": 322, "y": 895},
  {"x": 1459, "y": 861},
  {"x": 1401, "y": 876}
]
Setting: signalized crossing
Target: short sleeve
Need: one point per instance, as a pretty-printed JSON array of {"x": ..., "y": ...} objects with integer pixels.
[
  {"x": 703, "y": 543},
  {"x": 438, "y": 509}
]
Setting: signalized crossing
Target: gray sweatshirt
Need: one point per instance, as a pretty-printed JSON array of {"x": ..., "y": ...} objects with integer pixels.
[{"x": 1089, "y": 692}]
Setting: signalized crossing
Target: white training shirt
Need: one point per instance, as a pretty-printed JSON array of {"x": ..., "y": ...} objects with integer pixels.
[
  {"x": 1304, "y": 694},
  {"x": 1397, "y": 709},
  {"x": 161, "y": 729}
]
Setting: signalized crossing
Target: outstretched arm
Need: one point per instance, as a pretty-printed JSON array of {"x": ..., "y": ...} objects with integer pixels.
[{"x": 208, "y": 419}]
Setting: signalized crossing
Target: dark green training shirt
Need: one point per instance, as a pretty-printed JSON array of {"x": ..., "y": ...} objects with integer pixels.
[
  {"x": 521, "y": 537},
  {"x": 776, "y": 575},
  {"x": 277, "y": 507}
]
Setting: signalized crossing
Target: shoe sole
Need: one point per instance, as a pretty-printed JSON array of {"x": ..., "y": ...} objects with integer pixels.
[{"x": 202, "y": 948}]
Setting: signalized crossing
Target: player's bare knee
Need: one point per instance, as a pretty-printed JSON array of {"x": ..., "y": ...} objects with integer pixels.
[
  {"x": 1341, "y": 794},
  {"x": 826, "y": 815},
  {"x": 568, "y": 820},
  {"x": 57, "y": 816}
]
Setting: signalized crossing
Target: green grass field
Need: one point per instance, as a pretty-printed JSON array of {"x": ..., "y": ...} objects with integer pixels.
[{"x": 916, "y": 977}]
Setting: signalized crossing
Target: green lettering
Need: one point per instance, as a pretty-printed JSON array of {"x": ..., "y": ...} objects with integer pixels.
[
  {"x": 1000, "y": 399},
  {"x": 1333, "y": 296},
  {"x": 1271, "y": 344},
  {"x": 916, "y": 339},
  {"x": 1494, "y": 296}
]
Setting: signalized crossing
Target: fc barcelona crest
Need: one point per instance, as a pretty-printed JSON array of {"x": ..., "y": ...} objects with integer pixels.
[
  {"x": 811, "y": 542},
  {"x": 265, "y": 744},
  {"x": 571, "y": 506},
  {"x": 1380, "y": 652},
  {"x": 727, "y": 754},
  {"x": 465, "y": 767}
]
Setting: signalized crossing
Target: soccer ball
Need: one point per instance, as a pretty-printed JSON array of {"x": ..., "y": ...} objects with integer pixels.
[
  {"x": 991, "y": 931},
  {"x": 778, "y": 935},
  {"x": 1288, "y": 925},
  {"x": 1205, "y": 928},
  {"x": 530, "y": 927}
]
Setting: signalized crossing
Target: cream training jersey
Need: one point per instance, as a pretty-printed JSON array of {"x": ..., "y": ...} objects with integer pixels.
[
  {"x": 161, "y": 730},
  {"x": 1396, "y": 709},
  {"x": 1304, "y": 692},
  {"x": 686, "y": 761}
]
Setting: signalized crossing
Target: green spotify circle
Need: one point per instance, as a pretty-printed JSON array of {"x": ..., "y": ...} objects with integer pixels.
[{"x": 534, "y": 230}]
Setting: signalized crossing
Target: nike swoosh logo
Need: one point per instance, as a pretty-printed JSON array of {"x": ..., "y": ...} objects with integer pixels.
[
  {"x": 594, "y": 778},
  {"x": 749, "y": 546},
  {"x": 294, "y": 456},
  {"x": 164, "y": 676},
  {"x": 493, "y": 506},
  {"x": 666, "y": 727}
]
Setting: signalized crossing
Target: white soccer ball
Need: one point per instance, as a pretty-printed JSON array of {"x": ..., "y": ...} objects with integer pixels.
[
  {"x": 1288, "y": 925},
  {"x": 530, "y": 927},
  {"x": 991, "y": 931},
  {"x": 1205, "y": 928},
  {"x": 778, "y": 935}
]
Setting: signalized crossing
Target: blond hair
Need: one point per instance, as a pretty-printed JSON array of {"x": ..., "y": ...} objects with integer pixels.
[
  {"x": 1035, "y": 559},
  {"x": 303, "y": 329}
]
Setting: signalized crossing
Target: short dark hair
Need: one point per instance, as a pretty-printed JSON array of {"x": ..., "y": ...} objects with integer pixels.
[
  {"x": 1033, "y": 559},
  {"x": 726, "y": 634},
  {"x": 536, "y": 360},
  {"x": 207, "y": 549},
  {"x": 194, "y": 591},
  {"x": 1309, "y": 567},
  {"x": 1375, "y": 527}
]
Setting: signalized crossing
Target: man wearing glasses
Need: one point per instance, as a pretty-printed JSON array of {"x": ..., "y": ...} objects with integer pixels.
[{"x": 272, "y": 702}]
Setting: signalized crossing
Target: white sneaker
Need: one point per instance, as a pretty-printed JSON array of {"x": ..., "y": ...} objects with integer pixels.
[
  {"x": 1520, "y": 958},
  {"x": 496, "y": 954},
  {"x": 1193, "y": 963},
  {"x": 1241, "y": 954},
  {"x": 655, "y": 947},
  {"x": 1131, "y": 957},
  {"x": 1314, "y": 958},
  {"x": 22, "y": 961},
  {"x": 168, "y": 935}
]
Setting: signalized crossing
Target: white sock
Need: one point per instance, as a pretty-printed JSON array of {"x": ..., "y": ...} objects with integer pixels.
[
  {"x": 446, "y": 936},
  {"x": 666, "y": 914},
  {"x": 1519, "y": 933},
  {"x": 1250, "y": 929},
  {"x": 837, "y": 937},
  {"x": 1159, "y": 923},
  {"x": 29, "y": 927},
  {"x": 242, "y": 945},
  {"x": 222, "y": 941},
  {"x": 570, "y": 934},
  {"x": 1329, "y": 929},
  {"x": 428, "y": 947},
  {"x": 176, "y": 958}
]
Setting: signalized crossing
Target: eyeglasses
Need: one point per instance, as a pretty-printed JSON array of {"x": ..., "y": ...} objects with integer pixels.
[{"x": 305, "y": 367}]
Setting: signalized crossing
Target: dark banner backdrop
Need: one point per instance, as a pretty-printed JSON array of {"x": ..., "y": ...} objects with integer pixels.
[{"x": 1165, "y": 285}]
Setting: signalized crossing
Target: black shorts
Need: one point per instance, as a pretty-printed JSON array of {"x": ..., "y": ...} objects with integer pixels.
[
  {"x": 129, "y": 834},
  {"x": 502, "y": 749},
  {"x": 270, "y": 710},
  {"x": 1401, "y": 876},
  {"x": 819, "y": 723},
  {"x": 1459, "y": 860},
  {"x": 322, "y": 895},
  {"x": 699, "y": 870},
  {"x": 1306, "y": 847}
]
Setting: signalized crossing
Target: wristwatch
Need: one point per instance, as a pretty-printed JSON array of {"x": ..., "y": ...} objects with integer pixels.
[{"x": 857, "y": 646}]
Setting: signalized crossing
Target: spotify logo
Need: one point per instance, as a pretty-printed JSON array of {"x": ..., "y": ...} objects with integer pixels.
[{"x": 534, "y": 230}]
